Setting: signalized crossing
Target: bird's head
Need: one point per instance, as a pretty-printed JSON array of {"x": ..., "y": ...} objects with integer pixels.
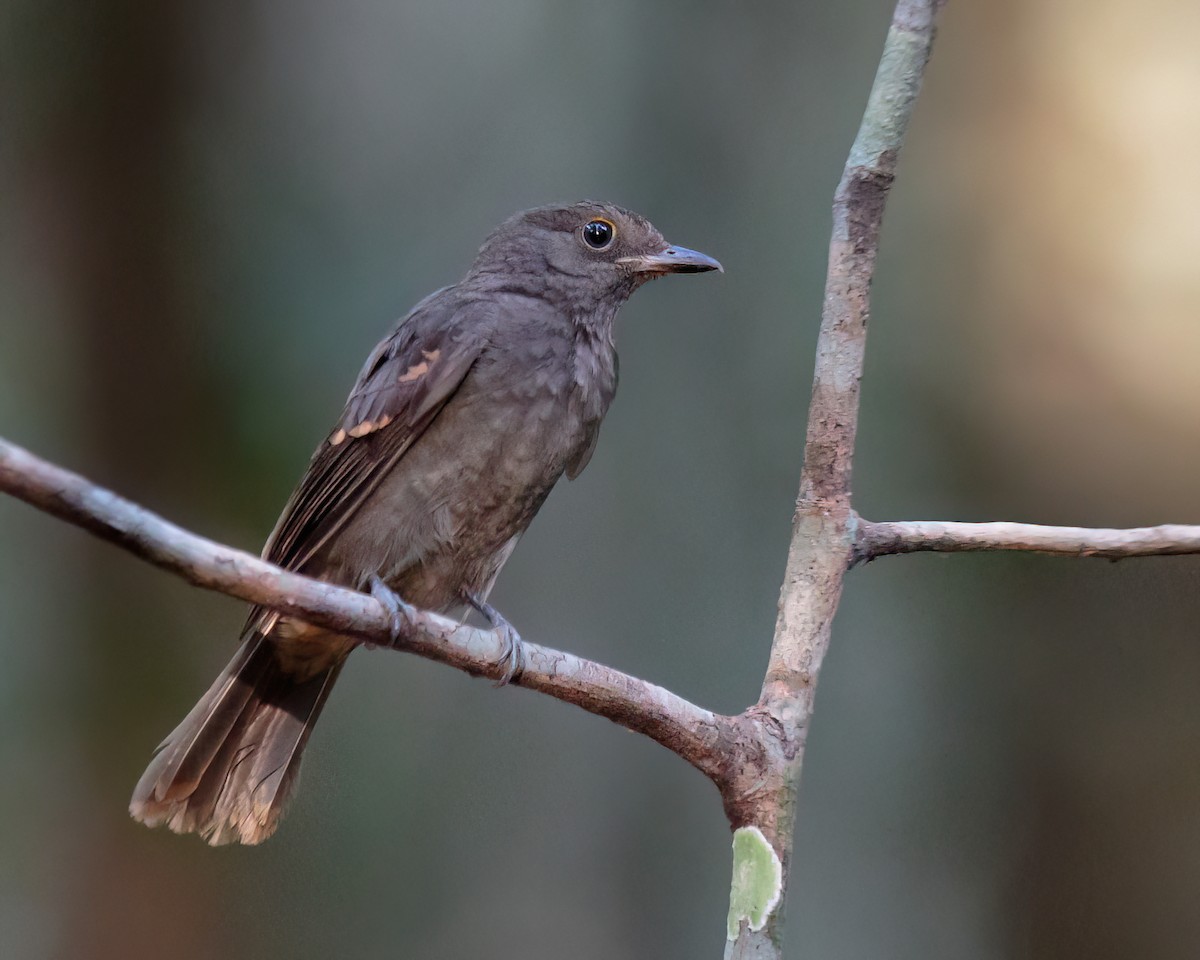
[{"x": 583, "y": 253}]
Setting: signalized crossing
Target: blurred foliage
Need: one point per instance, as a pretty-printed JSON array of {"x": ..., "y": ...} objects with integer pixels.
[{"x": 210, "y": 211}]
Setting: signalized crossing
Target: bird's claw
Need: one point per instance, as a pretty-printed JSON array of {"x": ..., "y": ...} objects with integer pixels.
[
  {"x": 512, "y": 660},
  {"x": 400, "y": 614}
]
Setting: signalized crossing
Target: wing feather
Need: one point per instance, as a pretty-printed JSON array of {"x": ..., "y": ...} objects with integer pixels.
[{"x": 403, "y": 386}]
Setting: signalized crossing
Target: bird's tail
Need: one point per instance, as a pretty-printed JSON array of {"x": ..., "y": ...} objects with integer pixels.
[{"x": 227, "y": 770}]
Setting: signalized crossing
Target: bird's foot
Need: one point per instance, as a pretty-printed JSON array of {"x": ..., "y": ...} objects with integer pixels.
[
  {"x": 512, "y": 660},
  {"x": 400, "y": 614}
]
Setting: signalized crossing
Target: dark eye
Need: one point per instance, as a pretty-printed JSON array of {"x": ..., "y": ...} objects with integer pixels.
[{"x": 598, "y": 234}]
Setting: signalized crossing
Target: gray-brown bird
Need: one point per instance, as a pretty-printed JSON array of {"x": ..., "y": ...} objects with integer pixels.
[{"x": 460, "y": 423}]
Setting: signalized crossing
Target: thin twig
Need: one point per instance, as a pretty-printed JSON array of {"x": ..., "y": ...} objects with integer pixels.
[
  {"x": 917, "y": 536},
  {"x": 822, "y": 532},
  {"x": 705, "y": 739}
]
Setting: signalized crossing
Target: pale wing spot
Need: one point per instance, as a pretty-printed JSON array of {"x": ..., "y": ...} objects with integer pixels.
[
  {"x": 361, "y": 429},
  {"x": 415, "y": 372},
  {"x": 418, "y": 370}
]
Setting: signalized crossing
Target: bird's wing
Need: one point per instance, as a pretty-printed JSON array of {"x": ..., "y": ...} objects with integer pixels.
[{"x": 402, "y": 387}]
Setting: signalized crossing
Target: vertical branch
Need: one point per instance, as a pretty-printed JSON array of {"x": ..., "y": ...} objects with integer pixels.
[{"x": 823, "y": 527}]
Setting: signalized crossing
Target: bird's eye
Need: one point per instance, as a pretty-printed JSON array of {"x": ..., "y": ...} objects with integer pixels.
[{"x": 598, "y": 234}]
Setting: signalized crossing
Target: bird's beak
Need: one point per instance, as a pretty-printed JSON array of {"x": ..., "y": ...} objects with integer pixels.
[{"x": 673, "y": 260}]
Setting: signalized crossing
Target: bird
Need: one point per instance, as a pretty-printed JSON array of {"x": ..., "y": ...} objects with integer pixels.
[{"x": 460, "y": 422}]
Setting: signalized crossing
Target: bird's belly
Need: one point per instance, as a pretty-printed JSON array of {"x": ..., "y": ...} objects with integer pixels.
[{"x": 446, "y": 517}]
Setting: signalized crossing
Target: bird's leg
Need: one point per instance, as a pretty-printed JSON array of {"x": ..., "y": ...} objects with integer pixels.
[
  {"x": 513, "y": 658},
  {"x": 400, "y": 614}
]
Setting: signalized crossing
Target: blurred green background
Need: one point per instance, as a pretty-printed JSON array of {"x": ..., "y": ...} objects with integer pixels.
[{"x": 210, "y": 211}]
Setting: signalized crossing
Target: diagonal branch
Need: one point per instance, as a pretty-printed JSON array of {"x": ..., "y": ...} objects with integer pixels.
[
  {"x": 704, "y": 739},
  {"x": 916, "y": 536}
]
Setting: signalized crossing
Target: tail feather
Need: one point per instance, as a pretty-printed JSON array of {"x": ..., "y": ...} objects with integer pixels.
[
  {"x": 227, "y": 770},
  {"x": 189, "y": 749}
]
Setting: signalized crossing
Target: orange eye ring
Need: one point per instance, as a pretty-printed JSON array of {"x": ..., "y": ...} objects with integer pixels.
[{"x": 599, "y": 233}]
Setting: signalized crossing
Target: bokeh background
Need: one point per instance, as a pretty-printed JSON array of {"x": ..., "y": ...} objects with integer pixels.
[{"x": 210, "y": 211}]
